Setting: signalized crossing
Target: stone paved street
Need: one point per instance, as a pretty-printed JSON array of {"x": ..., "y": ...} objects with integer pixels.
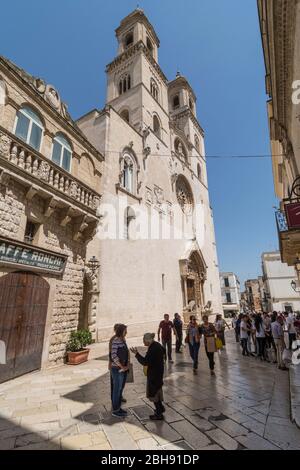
[{"x": 246, "y": 406}]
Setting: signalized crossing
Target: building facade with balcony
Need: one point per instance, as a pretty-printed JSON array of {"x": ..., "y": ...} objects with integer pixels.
[
  {"x": 50, "y": 190},
  {"x": 280, "y": 31},
  {"x": 278, "y": 280},
  {"x": 161, "y": 256},
  {"x": 231, "y": 293}
]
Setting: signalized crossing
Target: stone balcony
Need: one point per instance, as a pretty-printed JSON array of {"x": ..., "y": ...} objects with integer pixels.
[{"x": 39, "y": 175}]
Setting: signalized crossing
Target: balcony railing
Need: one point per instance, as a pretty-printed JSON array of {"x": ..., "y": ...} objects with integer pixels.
[{"x": 18, "y": 154}]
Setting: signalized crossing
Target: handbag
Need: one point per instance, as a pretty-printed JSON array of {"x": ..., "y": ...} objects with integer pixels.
[
  {"x": 129, "y": 376},
  {"x": 219, "y": 343},
  {"x": 211, "y": 344},
  {"x": 145, "y": 370}
]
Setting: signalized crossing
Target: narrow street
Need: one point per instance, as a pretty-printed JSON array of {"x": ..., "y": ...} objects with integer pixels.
[{"x": 245, "y": 406}]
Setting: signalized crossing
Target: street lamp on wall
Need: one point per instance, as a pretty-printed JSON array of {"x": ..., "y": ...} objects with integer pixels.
[
  {"x": 295, "y": 286},
  {"x": 93, "y": 264}
]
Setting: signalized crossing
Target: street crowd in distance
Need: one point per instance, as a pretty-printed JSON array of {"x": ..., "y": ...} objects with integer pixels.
[{"x": 260, "y": 335}]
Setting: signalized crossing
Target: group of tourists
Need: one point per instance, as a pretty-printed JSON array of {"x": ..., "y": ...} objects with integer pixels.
[
  {"x": 263, "y": 335},
  {"x": 157, "y": 354}
]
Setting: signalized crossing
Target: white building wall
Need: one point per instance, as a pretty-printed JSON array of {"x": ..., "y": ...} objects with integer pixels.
[{"x": 278, "y": 278}]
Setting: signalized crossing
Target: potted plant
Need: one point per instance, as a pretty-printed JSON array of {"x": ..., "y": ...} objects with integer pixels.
[{"x": 77, "y": 352}]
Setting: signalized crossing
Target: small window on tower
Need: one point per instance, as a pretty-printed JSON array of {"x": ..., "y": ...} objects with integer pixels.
[
  {"x": 128, "y": 40},
  {"x": 176, "y": 101},
  {"x": 149, "y": 46},
  {"x": 125, "y": 115}
]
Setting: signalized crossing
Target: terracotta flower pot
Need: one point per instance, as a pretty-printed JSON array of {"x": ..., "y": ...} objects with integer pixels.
[{"x": 78, "y": 357}]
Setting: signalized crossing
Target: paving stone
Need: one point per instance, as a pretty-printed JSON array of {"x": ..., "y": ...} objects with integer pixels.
[
  {"x": 118, "y": 437},
  {"x": 191, "y": 435},
  {"x": 180, "y": 445},
  {"x": 254, "y": 442},
  {"x": 255, "y": 426},
  {"x": 190, "y": 402},
  {"x": 212, "y": 447},
  {"x": 148, "y": 444},
  {"x": 261, "y": 418},
  {"x": 41, "y": 446},
  {"x": 163, "y": 432},
  {"x": 181, "y": 408},
  {"x": 31, "y": 438},
  {"x": 142, "y": 412},
  {"x": 240, "y": 418},
  {"x": 134, "y": 427},
  {"x": 200, "y": 423},
  {"x": 223, "y": 439},
  {"x": 231, "y": 427},
  {"x": 171, "y": 415},
  {"x": 282, "y": 435},
  {"x": 76, "y": 442},
  {"x": 7, "y": 444},
  {"x": 208, "y": 412}
]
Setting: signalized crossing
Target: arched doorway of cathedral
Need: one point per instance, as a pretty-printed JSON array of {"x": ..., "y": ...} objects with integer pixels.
[{"x": 193, "y": 276}]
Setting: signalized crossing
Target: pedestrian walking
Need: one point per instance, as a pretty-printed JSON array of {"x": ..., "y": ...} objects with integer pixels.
[
  {"x": 220, "y": 325},
  {"x": 252, "y": 334},
  {"x": 166, "y": 327},
  {"x": 119, "y": 368},
  {"x": 290, "y": 323},
  {"x": 154, "y": 362},
  {"x": 244, "y": 334},
  {"x": 209, "y": 332},
  {"x": 178, "y": 325},
  {"x": 270, "y": 345},
  {"x": 193, "y": 337},
  {"x": 278, "y": 335},
  {"x": 234, "y": 324},
  {"x": 260, "y": 337}
]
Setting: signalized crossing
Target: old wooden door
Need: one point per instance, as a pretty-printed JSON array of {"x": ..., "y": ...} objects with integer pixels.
[
  {"x": 191, "y": 290},
  {"x": 23, "y": 311}
]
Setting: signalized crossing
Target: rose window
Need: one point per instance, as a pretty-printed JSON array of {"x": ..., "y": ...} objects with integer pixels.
[{"x": 184, "y": 195}]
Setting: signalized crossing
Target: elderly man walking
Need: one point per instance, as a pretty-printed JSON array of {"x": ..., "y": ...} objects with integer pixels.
[{"x": 154, "y": 362}]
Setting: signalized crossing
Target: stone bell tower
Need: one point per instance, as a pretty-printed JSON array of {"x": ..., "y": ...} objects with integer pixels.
[{"x": 135, "y": 82}]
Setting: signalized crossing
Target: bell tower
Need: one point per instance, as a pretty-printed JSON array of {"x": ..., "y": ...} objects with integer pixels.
[{"x": 136, "y": 86}]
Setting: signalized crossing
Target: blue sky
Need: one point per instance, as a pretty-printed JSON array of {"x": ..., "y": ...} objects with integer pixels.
[{"x": 216, "y": 45}]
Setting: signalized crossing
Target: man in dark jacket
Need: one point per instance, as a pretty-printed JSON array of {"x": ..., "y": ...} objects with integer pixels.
[{"x": 154, "y": 363}]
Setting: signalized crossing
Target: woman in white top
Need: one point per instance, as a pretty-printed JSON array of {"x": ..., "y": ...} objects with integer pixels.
[
  {"x": 260, "y": 336},
  {"x": 220, "y": 325}
]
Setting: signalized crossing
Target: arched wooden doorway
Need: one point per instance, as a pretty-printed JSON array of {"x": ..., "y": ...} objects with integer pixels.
[
  {"x": 193, "y": 274},
  {"x": 85, "y": 304},
  {"x": 23, "y": 311}
]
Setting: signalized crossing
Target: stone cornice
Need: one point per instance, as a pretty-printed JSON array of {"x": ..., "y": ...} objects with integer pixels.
[
  {"x": 130, "y": 52},
  {"x": 188, "y": 113},
  {"x": 277, "y": 23}
]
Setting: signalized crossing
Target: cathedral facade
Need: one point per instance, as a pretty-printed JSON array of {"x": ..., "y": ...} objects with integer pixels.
[{"x": 155, "y": 241}]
